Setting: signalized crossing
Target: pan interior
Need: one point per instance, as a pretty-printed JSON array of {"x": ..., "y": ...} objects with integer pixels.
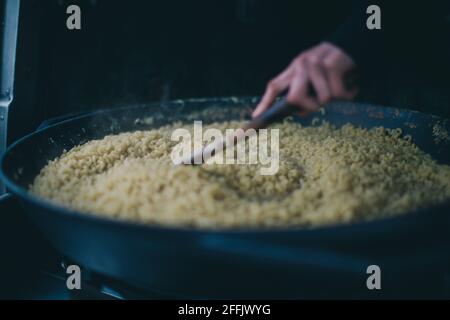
[{"x": 82, "y": 129}]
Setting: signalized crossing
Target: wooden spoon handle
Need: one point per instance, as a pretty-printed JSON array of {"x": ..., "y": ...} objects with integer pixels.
[{"x": 279, "y": 110}]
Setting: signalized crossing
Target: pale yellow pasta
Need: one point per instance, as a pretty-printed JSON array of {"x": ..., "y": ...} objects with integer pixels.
[{"x": 326, "y": 176}]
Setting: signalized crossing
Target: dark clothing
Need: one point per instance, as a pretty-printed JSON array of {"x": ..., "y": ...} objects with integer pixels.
[
  {"x": 407, "y": 58},
  {"x": 411, "y": 32}
]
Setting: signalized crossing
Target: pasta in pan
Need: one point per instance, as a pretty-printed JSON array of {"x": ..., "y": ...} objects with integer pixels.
[{"x": 327, "y": 175}]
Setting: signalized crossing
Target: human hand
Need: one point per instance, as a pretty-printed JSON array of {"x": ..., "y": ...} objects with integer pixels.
[{"x": 313, "y": 78}]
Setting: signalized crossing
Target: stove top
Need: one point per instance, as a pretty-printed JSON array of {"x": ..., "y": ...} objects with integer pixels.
[{"x": 33, "y": 269}]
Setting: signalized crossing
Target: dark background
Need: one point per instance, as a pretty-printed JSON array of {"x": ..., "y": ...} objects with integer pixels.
[{"x": 137, "y": 51}]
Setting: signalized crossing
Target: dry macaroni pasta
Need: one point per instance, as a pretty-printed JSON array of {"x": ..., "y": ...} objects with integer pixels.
[{"x": 327, "y": 176}]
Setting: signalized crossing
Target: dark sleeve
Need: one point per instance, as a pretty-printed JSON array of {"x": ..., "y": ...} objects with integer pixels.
[
  {"x": 409, "y": 29},
  {"x": 355, "y": 39}
]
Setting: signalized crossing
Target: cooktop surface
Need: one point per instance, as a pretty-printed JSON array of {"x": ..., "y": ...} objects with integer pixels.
[{"x": 33, "y": 269}]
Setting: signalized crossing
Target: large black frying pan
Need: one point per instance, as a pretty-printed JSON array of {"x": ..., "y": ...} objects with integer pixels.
[{"x": 412, "y": 249}]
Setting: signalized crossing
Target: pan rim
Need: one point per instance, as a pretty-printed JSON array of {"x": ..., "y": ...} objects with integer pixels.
[{"x": 341, "y": 228}]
